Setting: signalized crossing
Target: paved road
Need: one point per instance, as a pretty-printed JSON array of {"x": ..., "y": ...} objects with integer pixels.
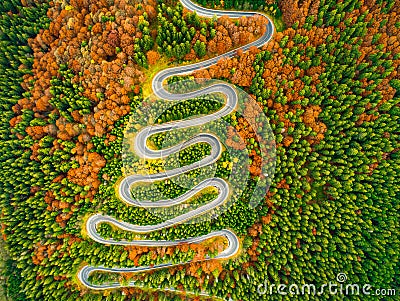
[
  {"x": 143, "y": 151},
  {"x": 201, "y": 11}
]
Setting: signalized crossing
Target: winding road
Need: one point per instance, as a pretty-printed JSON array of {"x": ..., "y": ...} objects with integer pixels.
[{"x": 142, "y": 150}]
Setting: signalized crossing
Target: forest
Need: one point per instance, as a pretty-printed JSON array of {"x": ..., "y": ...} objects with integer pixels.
[{"x": 73, "y": 75}]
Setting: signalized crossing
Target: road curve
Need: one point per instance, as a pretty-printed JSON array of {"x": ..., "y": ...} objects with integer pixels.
[
  {"x": 163, "y": 75},
  {"x": 142, "y": 150}
]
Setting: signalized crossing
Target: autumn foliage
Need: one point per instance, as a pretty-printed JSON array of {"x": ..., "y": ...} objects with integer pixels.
[{"x": 96, "y": 41}]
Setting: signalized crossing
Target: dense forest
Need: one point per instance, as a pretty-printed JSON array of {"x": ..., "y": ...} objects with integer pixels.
[{"x": 73, "y": 73}]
